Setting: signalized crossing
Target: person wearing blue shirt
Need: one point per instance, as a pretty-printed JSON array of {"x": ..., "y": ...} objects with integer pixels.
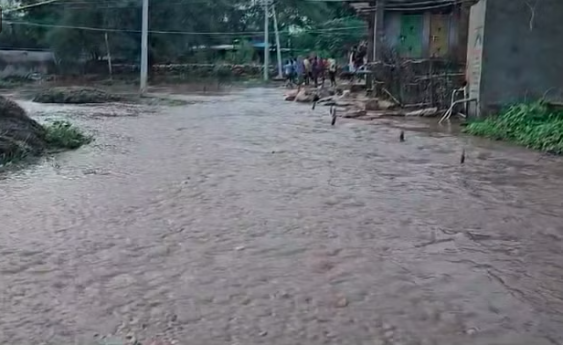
[{"x": 288, "y": 72}]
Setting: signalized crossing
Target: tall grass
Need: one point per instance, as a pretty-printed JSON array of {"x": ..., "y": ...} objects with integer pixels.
[
  {"x": 63, "y": 135},
  {"x": 534, "y": 125}
]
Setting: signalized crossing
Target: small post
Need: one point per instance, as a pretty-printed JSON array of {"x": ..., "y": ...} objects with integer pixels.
[{"x": 109, "y": 59}]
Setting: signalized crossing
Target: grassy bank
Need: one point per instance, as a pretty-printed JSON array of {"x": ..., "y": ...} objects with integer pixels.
[
  {"x": 534, "y": 125},
  {"x": 58, "y": 136}
]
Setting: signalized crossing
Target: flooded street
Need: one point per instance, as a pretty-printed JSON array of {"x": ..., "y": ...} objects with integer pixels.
[{"x": 246, "y": 219}]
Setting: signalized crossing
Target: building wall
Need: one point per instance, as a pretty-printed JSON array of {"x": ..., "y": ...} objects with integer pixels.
[
  {"x": 475, "y": 60},
  {"x": 522, "y": 56}
]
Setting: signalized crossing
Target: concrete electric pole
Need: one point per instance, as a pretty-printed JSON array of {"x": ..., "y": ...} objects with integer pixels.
[
  {"x": 144, "y": 48},
  {"x": 278, "y": 42},
  {"x": 266, "y": 67}
]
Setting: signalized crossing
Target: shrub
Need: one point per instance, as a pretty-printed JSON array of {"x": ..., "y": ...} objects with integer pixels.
[
  {"x": 534, "y": 125},
  {"x": 63, "y": 135}
]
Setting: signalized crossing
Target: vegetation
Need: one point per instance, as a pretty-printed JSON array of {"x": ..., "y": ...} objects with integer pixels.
[
  {"x": 78, "y": 31},
  {"x": 22, "y": 136},
  {"x": 63, "y": 135},
  {"x": 343, "y": 33},
  {"x": 58, "y": 136},
  {"x": 534, "y": 125}
]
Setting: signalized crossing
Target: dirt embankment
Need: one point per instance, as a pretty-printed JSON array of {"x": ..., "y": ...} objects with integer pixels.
[
  {"x": 76, "y": 95},
  {"x": 20, "y": 135},
  {"x": 89, "y": 95},
  {"x": 353, "y": 102}
]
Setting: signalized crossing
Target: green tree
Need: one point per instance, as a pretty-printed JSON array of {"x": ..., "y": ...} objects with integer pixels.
[{"x": 176, "y": 27}]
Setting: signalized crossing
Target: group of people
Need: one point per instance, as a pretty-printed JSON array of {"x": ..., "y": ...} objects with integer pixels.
[
  {"x": 310, "y": 69},
  {"x": 314, "y": 69}
]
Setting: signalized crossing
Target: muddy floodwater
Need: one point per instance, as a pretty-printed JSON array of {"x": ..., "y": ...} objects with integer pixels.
[{"x": 246, "y": 219}]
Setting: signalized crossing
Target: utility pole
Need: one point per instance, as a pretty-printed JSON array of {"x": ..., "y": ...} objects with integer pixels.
[
  {"x": 279, "y": 56},
  {"x": 378, "y": 25},
  {"x": 266, "y": 68},
  {"x": 144, "y": 48}
]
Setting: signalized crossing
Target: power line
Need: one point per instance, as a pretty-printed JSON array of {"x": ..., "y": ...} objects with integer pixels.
[{"x": 98, "y": 29}]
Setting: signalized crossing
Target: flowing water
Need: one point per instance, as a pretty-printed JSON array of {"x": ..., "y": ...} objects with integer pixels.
[{"x": 246, "y": 219}]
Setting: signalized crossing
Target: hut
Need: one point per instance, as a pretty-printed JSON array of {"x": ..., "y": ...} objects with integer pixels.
[{"x": 417, "y": 48}]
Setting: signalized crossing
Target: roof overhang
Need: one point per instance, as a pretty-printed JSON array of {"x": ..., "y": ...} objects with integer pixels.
[{"x": 367, "y": 6}]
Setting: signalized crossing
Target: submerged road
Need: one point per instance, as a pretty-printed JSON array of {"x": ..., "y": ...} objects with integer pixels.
[{"x": 246, "y": 219}]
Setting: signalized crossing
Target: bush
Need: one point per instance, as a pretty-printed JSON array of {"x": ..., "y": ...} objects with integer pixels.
[
  {"x": 534, "y": 125},
  {"x": 63, "y": 135}
]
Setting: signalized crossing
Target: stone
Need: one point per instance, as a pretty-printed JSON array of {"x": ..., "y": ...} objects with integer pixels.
[
  {"x": 471, "y": 331},
  {"x": 382, "y": 104},
  {"x": 351, "y": 114},
  {"x": 291, "y": 95},
  {"x": 426, "y": 112},
  {"x": 342, "y": 302},
  {"x": 304, "y": 97}
]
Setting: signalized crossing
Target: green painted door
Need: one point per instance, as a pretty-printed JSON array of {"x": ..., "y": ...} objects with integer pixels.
[{"x": 411, "y": 36}]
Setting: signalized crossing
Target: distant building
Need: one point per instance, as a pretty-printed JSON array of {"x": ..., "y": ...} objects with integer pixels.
[
  {"x": 416, "y": 28},
  {"x": 23, "y": 63},
  {"x": 258, "y": 47}
]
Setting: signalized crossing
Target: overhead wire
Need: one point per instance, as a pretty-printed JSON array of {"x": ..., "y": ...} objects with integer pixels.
[
  {"x": 45, "y": 25},
  {"x": 335, "y": 30}
]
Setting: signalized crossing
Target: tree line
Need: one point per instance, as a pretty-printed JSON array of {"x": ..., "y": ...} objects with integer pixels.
[{"x": 83, "y": 30}]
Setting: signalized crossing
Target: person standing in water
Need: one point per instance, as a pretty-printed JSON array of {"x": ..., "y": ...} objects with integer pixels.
[
  {"x": 307, "y": 70},
  {"x": 315, "y": 70},
  {"x": 288, "y": 72},
  {"x": 332, "y": 69},
  {"x": 322, "y": 69},
  {"x": 300, "y": 71}
]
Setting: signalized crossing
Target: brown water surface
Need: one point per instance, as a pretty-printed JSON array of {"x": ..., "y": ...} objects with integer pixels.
[{"x": 246, "y": 219}]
